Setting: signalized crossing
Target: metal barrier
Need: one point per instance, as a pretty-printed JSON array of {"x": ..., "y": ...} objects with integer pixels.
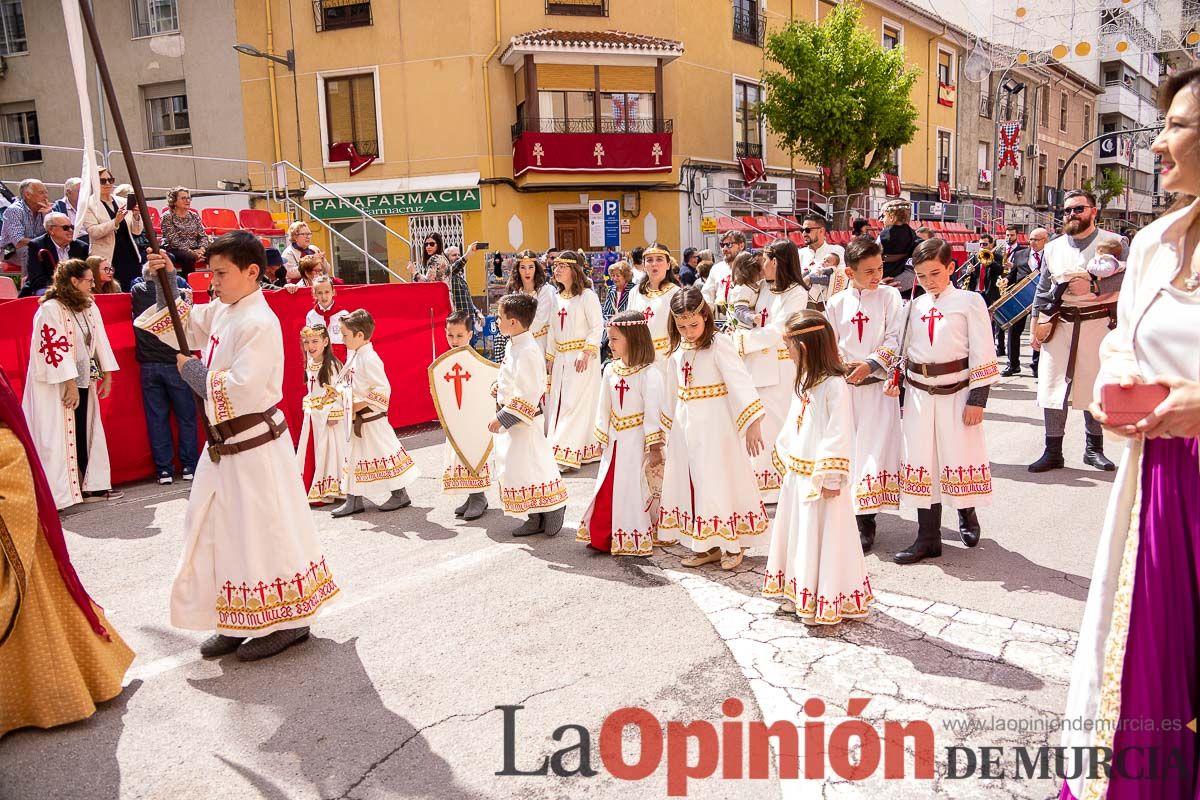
[{"x": 195, "y": 159}]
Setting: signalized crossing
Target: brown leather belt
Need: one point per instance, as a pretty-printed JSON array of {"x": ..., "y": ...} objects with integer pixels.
[
  {"x": 218, "y": 433},
  {"x": 867, "y": 381},
  {"x": 362, "y": 418},
  {"x": 944, "y": 368},
  {"x": 953, "y": 388},
  {"x": 1083, "y": 314},
  {"x": 1075, "y": 314},
  {"x": 817, "y": 305}
]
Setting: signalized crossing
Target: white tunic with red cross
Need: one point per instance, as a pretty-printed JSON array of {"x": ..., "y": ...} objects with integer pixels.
[{"x": 576, "y": 325}]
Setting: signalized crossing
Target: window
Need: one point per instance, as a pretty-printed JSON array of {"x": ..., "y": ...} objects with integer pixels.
[
  {"x": 761, "y": 193},
  {"x": 891, "y": 36},
  {"x": 893, "y": 165},
  {"x": 1075, "y": 175},
  {"x": 1083, "y": 174},
  {"x": 1042, "y": 167},
  {"x": 166, "y": 115},
  {"x": 985, "y": 162},
  {"x": 450, "y": 226},
  {"x": 747, "y": 120},
  {"x": 945, "y": 67},
  {"x": 333, "y": 15},
  {"x": 1059, "y": 170},
  {"x": 1087, "y": 122},
  {"x": 12, "y": 28},
  {"x": 943, "y": 155},
  {"x": 748, "y": 24},
  {"x": 1044, "y": 102},
  {"x": 18, "y": 124},
  {"x": 582, "y": 8},
  {"x": 348, "y": 261},
  {"x": 155, "y": 17},
  {"x": 1064, "y": 98},
  {"x": 350, "y": 112},
  {"x": 627, "y": 112},
  {"x": 567, "y": 112}
]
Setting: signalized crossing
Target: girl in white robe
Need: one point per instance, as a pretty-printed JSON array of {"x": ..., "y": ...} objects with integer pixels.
[
  {"x": 783, "y": 294},
  {"x": 710, "y": 499},
  {"x": 573, "y": 350},
  {"x": 652, "y": 297},
  {"x": 949, "y": 356},
  {"x": 814, "y": 560},
  {"x": 324, "y": 418},
  {"x": 529, "y": 277},
  {"x": 623, "y": 514},
  {"x": 70, "y": 366},
  {"x": 252, "y": 568},
  {"x": 866, "y": 320}
]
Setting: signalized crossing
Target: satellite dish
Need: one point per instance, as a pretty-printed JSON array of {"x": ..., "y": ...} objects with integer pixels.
[{"x": 979, "y": 64}]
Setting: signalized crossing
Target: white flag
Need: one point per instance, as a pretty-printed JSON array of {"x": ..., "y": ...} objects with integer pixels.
[{"x": 75, "y": 42}]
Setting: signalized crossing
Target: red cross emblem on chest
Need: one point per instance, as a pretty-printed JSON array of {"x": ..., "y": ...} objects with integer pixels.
[
  {"x": 622, "y": 388},
  {"x": 687, "y": 374},
  {"x": 932, "y": 317},
  {"x": 763, "y": 315},
  {"x": 648, "y": 314},
  {"x": 726, "y": 282},
  {"x": 805, "y": 402},
  {"x": 562, "y": 318},
  {"x": 459, "y": 376},
  {"x": 54, "y": 346},
  {"x": 860, "y": 319},
  {"x": 212, "y": 348}
]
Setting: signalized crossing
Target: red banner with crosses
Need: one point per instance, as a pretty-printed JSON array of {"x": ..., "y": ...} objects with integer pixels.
[
  {"x": 410, "y": 330},
  {"x": 591, "y": 152},
  {"x": 1010, "y": 142}
]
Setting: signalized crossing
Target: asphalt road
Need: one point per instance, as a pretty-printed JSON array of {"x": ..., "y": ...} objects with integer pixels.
[{"x": 440, "y": 622}]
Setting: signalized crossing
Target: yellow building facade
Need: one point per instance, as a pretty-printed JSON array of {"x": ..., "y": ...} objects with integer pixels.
[{"x": 513, "y": 121}]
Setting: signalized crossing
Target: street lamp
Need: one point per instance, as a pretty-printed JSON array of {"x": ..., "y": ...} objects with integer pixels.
[
  {"x": 254, "y": 52},
  {"x": 1011, "y": 87}
]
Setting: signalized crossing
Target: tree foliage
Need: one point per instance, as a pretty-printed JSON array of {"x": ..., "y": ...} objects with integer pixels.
[
  {"x": 838, "y": 99},
  {"x": 1108, "y": 184}
]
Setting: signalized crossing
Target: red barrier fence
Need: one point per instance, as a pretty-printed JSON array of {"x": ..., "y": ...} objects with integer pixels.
[{"x": 410, "y": 331}]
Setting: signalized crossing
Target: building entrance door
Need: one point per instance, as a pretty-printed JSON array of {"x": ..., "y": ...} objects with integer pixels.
[{"x": 571, "y": 229}]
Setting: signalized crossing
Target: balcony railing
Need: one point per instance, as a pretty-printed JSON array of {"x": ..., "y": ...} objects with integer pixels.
[
  {"x": 748, "y": 149},
  {"x": 335, "y": 14},
  {"x": 588, "y": 125},
  {"x": 749, "y": 26},
  {"x": 579, "y": 8}
]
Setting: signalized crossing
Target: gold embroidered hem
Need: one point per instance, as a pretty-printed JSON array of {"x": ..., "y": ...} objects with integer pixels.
[
  {"x": 266, "y": 605},
  {"x": 619, "y": 423},
  {"x": 624, "y": 543},
  {"x": 826, "y": 611},
  {"x": 658, "y": 437},
  {"x": 542, "y": 497},
  {"x": 662, "y": 345},
  {"x": 571, "y": 457},
  {"x": 458, "y": 478},
  {"x": 982, "y": 373},
  {"x": 876, "y": 492},
  {"x": 748, "y": 414},
  {"x": 600, "y": 435},
  {"x": 219, "y": 391},
  {"x": 730, "y": 528},
  {"x": 521, "y": 409},
  {"x": 709, "y": 392},
  {"x": 383, "y": 469},
  {"x": 325, "y": 488}
]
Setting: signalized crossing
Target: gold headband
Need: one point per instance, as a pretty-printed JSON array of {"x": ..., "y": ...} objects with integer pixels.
[
  {"x": 526, "y": 260},
  {"x": 681, "y": 317},
  {"x": 655, "y": 251},
  {"x": 809, "y": 329},
  {"x": 309, "y": 330},
  {"x": 570, "y": 262}
]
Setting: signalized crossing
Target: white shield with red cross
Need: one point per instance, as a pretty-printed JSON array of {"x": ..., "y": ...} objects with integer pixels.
[{"x": 460, "y": 381}]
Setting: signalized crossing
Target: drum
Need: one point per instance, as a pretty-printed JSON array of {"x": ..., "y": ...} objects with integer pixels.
[{"x": 1015, "y": 304}]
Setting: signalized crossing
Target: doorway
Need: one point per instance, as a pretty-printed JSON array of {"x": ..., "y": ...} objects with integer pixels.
[{"x": 571, "y": 229}]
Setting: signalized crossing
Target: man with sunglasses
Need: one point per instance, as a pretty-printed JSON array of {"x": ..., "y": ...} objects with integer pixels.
[
  {"x": 1069, "y": 331},
  {"x": 57, "y": 244},
  {"x": 822, "y": 264},
  {"x": 720, "y": 279}
]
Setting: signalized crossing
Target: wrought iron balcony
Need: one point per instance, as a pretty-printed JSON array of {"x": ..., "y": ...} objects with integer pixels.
[
  {"x": 749, "y": 26},
  {"x": 578, "y": 8},
  {"x": 748, "y": 149},
  {"x": 588, "y": 125}
]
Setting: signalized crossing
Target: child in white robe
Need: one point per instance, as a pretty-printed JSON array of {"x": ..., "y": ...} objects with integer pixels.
[
  {"x": 70, "y": 372},
  {"x": 457, "y": 478},
  {"x": 252, "y": 567},
  {"x": 328, "y": 312},
  {"x": 866, "y": 320},
  {"x": 573, "y": 350},
  {"x": 652, "y": 296},
  {"x": 526, "y": 472},
  {"x": 623, "y": 514},
  {"x": 710, "y": 497},
  {"x": 324, "y": 418},
  {"x": 747, "y": 283},
  {"x": 380, "y": 468},
  {"x": 949, "y": 357},
  {"x": 814, "y": 560}
]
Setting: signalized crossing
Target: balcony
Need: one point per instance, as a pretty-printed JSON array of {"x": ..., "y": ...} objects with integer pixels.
[
  {"x": 749, "y": 25},
  {"x": 578, "y": 8},
  {"x": 748, "y": 149},
  {"x": 587, "y": 144}
]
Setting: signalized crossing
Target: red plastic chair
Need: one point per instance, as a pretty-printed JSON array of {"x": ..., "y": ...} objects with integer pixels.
[
  {"x": 761, "y": 240},
  {"x": 8, "y": 289},
  {"x": 199, "y": 280},
  {"x": 260, "y": 221},
  {"x": 770, "y": 223},
  {"x": 727, "y": 224},
  {"x": 155, "y": 218},
  {"x": 798, "y": 238},
  {"x": 219, "y": 220}
]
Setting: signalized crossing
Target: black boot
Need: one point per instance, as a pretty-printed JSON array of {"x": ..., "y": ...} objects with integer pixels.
[
  {"x": 476, "y": 505},
  {"x": 929, "y": 537},
  {"x": 532, "y": 525},
  {"x": 1093, "y": 453},
  {"x": 1052, "y": 458},
  {"x": 968, "y": 526},
  {"x": 866, "y": 531}
]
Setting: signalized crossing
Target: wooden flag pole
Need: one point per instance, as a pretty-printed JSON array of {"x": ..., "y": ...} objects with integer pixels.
[{"x": 110, "y": 94}]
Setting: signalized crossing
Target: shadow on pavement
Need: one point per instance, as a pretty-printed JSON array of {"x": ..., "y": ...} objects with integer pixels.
[
  {"x": 1075, "y": 478},
  {"x": 84, "y": 761},
  {"x": 563, "y": 553},
  {"x": 345, "y": 741},
  {"x": 132, "y": 517}
]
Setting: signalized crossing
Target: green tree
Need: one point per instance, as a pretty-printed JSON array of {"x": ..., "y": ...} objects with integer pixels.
[
  {"x": 838, "y": 99},
  {"x": 1106, "y": 185}
]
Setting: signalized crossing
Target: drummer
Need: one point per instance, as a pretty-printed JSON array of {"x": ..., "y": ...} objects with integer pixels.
[{"x": 1017, "y": 268}]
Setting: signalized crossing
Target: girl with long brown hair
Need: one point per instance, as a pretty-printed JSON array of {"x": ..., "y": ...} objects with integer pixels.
[
  {"x": 710, "y": 498},
  {"x": 323, "y": 417},
  {"x": 528, "y": 277},
  {"x": 573, "y": 350},
  {"x": 815, "y": 561},
  {"x": 70, "y": 371}
]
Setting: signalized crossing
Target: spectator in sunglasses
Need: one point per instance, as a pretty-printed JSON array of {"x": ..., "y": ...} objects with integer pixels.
[
  {"x": 106, "y": 282},
  {"x": 57, "y": 244},
  {"x": 299, "y": 245},
  {"x": 112, "y": 226}
]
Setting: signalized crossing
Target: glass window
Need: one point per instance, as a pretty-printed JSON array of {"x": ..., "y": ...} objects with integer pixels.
[
  {"x": 945, "y": 68},
  {"x": 747, "y": 117},
  {"x": 1087, "y": 122},
  {"x": 891, "y": 37},
  {"x": 167, "y": 116},
  {"x": 155, "y": 17},
  {"x": 1044, "y": 102},
  {"x": 628, "y": 112},
  {"x": 566, "y": 112},
  {"x": 1064, "y": 98},
  {"x": 18, "y": 124},
  {"x": 985, "y": 160},
  {"x": 12, "y": 28},
  {"x": 335, "y": 14},
  {"x": 349, "y": 263},
  {"x": 350, "y": 112},
  {"x": 943, "y": 155}
]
